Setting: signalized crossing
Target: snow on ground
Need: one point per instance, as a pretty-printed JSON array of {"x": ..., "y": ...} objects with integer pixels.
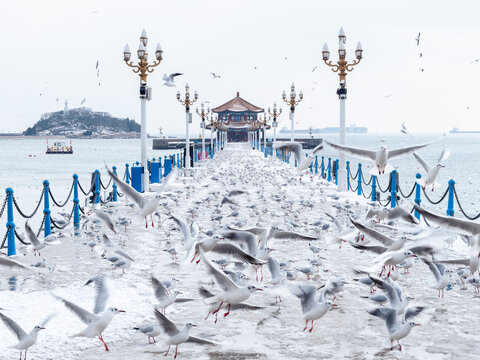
[{"x": 274, "y": 332}]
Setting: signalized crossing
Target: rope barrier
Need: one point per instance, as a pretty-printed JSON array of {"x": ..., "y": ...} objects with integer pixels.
[
  {"x": 435, "y": 202},
  {"x": 5, "y": 238},
  {"x": 369, "y": 181},
  {"x": 65, "y": 202},
  {"x": 460, "y": 206},
  {"x": 411, "y": 192},
  {"x": 34, "y": 211},
  {"x": 3, "y": 206},
  {"x": 354, "y": 177},
  {"x": 83, "y": 191},
  {"x": 388, "y": 187},
  {"x": 41, "y": 225}
]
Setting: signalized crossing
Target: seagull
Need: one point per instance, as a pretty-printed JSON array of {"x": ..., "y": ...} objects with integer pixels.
[
  {"x": 393, "y": 293},
  {"x": 473, "y": 262},
  {"x": 421, "y": 69},
  {"x": 36, "y": 244},
  {"x": 432, "y": 172},
  {"x": 441, "y": 277},
  {"x": 296, "y": 148},
  {"x": 312, "y": 309},
  {"x": 170, "y": 79},
  {"x": 11, "y": 263},
  {"x": 417, "y": 39},
  {"x": 164, "y": 299},
  {"x": 101, "y": 318},
  {"x": 215, "y": 75},
  {"x": 314, "y": 68},
  {"x": 106, "y": 219},
  {"x": 24, "y": 340},
  {"x": 83, "y": 101},
  {"x": 343, "y": 233},
  {"x": 147, "y": 206},
  {"x": 380, "y": 157},
  {"x": 231, "y": 292},
  {"x": 404, "y": 130},
  {"x": 397, "y": 331},
  {"x": 474, "y": 61},
  {"x": 150, "y": 330},
  {"x": 96, "y": 66},
  {"x": 175, "y": 336}
]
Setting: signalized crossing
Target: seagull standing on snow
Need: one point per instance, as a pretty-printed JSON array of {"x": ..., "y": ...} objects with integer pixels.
[
  {"x": 170, "y": 79},
  {"x": 432, "y": 172},
  {"x": 380, "y": 157}
]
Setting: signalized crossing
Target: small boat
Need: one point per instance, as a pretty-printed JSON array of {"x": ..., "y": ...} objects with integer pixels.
[{"x": 59, "y": 147}]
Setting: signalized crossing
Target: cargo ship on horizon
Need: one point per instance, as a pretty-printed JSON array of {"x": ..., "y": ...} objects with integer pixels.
[{"x": 352, "y": 129}]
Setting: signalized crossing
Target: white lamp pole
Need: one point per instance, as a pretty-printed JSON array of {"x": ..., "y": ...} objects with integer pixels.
[
  {"x": 342, "y": 67},
  {"x": 275, "y": 114},
  {"x": 292, "y": 102},
  {"x": 188, "y": 119},
  {"x": 203, "y": 114}
]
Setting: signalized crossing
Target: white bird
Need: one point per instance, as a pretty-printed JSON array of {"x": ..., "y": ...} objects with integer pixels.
[
  {"x": 417, "y": 39},
  {"x": 215, "y": 75},
  {"x": 432, "y": 172},
  {"x": 100, "y": 319},
  {"x": 106, "y": 219},
  {"x": 380, "y": 157},
  {"x": 312, "y": 309},
  {"x": 36, "y": 244},
  {"x": 295, "y": 147},
  {"x": 164, "y": 298},
  {"x": 150, "y": 330},
  {"x": 175, "y": 336},
  {"x": 24, "y": 340},
  {"x": 231, "y": 292},
  {"x": 393, "y": 293},
  {"x": 170, "y": 79},
  {"x": 441, "y": 277},
  {"x": 83, "y": 101},
  {"x": 147, "y": 206},
  {"x": 396, "y": 331}
]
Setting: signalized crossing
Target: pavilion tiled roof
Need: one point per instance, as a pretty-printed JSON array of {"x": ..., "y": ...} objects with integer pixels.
[{"x": 237, "y": 104}]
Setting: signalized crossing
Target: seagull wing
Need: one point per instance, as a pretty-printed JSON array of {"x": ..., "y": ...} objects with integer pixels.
[
  {"x": 317, "y": 149},
  {"x": 198, "y": 340},
  {"x": 220, "y": 279},
  {"x": 376, "y": 249},
  {"x": 13, "y": 327},
  {"x": 245, "y": 236},
  {"x": 124, "y": 254},
  {"x": 360, "y": 153},
  {"x": 106, "y": 219},
  {"x": 422, "y": 162},
  {"x": 81, "y": 313},
  {"x": 168, "y": 327},
  {"x": 127, "y": 189},
  {"x": 101, "y": 294},
  {"x": 236, "y": 252},
  {"x": 336, "y": 222},
  {"x": 385, "y": 240},
  {"x": 160, "y": 290},
  {"x": 273, "y": 267},
  {"x": 443, "y": 156},
  {"x": 433, "y": 268},
  {"x": 422, "y": 250},
  {"x": 306, "y": 294},
  {"x": 465, "y": 262},
  {"x": 184, "y": 227},
  {"x": 400, "y": 212},
  {"x": 290, "y": 235},
  {"x": 389, "y": 290},
  {"x": 406, "y": 150},
  {"x": 175, "y": 74},
  {"x": 387, "y": 314},
  {"x": 412, "y": 311},
  {"x": 294, "y": 147},
  {"x": 31, "y": 235},
  {"x": 171, "y": 178},
  {"x": 11, "y": 263},
  {"x": 243, "y": 306},
  {"x": 467, "y": 226}
]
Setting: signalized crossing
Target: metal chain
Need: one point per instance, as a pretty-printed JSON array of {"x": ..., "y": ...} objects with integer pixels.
[
  {"x": 435, "y": 202},
  {"x": 41, "y": 225},
  {"x": 3, "y": 206},
  {"x": 380, "y": 187},
  {"x": 354, "y": 177},
  {"x": 366, "y": 196},
  {"x": 83, "y": 191},
  {"x": 34, "y": 211},
  {"x": 411, "y": 192},
  {"x": 53, "y": 199},
  {"x": 5, "y": 238},
  {"x": 58, "y": 226},
  {"x": 351, "y": 187},
  {"x": 369, "y": 181},
  {"x": 386, "y": 204},
  {"x": 19, "y": 237},
  {"x": 101, "y": 183},
  {"x": 460, "y": 207}
]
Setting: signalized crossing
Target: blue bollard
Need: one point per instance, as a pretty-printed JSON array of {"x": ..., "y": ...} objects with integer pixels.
[
  {"x": 316, "y": 164},
  {"x": 359, "y": 180},
  {"x": 418, "y": 194},
  {"x": 336, "y": 171},
  {"x": 393, "y": 190},
  {"x": 97, "y": 187},
  {"x": 76, "y": 210},
  {"x": 178, "y": 161},
  {"x": 323, "y": 167},
  {"x": 295, "y": 162},
  {"x": 348, "y": 175},
  {"x": 127, "y": 174},
  {"x": 329, "y": 170},
  {"x": 114, "y": 186},
  {"x": 374, "y": 188},
  {"x": 47, "y": 227},
  {"x": 311, "y": 167},
  {"x": 137, "y": 172},
  {"x": 10, "y": 224},
  {"x": 450, "y": 211},
  {"x": 154, "y": 172},
  {"x": 167, "y": 167},
  {"x": 160, "y": 172}
]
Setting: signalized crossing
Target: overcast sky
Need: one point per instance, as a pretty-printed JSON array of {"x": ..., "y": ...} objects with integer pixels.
[{"x": 50, "y": 49}]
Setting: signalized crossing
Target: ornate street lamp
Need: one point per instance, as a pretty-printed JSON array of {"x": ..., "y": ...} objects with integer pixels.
[
  {"x": 342, "y": 67},
  {"x": 292, "y": 102},
  {"x": 274, "y": 115},
  {"x": 188, "y": 120},
  {"x": 143, "y": 68},
  {"x": 203, "y": 114}
]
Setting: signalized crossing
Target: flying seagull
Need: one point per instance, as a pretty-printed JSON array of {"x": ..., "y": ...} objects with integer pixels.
[
  {"x": 215, "y": 75},
  {"x": 83, "y": 101},
  {"x": 404, "y": 130},
  {"x": 432, "y": 172},
  {"x": 170, "y": 79},
  {"x": 297, "y": 149},
  {"x": 417, "y": 39},
  {"x": 380, "y": 157},
  {"x": 315, "y": 68}
]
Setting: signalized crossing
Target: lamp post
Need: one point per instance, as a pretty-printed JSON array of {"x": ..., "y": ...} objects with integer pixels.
[
  {"x": 212, "y": 127},
  {"x": 203, "y": 115},
  {"x": 143, "y": 68},
  {"x": 188, "y": 120},
  {"x": 266, "y": 119},
  {"x": 342, "y": 67},
  {"x": 274, "y": 115},
  {"x": 310, "y": 128},
  {"x": 292, "y": 102}
]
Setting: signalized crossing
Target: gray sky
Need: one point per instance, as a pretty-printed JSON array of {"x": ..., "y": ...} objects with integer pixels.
[{"x": 51, "y": 48}]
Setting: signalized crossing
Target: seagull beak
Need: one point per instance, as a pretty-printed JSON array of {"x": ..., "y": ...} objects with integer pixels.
[
  {"x": 194, "y": 325},
  {"x": 121, "y": 311},
  {"x": 334, "y": 305},
  {"x": 415, "y": 255},
  {"x": 417, "y": 324},
  {"x": 258, "y": 289},
  {"x": 42, "y": 328}
]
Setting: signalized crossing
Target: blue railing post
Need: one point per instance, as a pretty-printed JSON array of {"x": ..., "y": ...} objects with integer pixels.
[
  {"x": 393, "y": 190},
  {"x": 114, "y": 186},
  {"x": 329, "y": 170},
  {"x": 374, "y": 188},
  {"x": 348, "y": 175},
  {"x": 295, "y": 162},
  {"x": 450, "y": 211},
  {"x": 76, "y": 201},
  {"x": 97, "y": 187},
  {"x": 127, "y": 175},
  {"x": 46, "y": 209},
  {"x": 359, "y": 179},
  {"x": 323, "y": 167},
  {"x": 316, "y": 164},
  {"x": 336, "y": 171},
  {"x": 418, "y": 193},
  {"x": 10, "y": 224}
]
